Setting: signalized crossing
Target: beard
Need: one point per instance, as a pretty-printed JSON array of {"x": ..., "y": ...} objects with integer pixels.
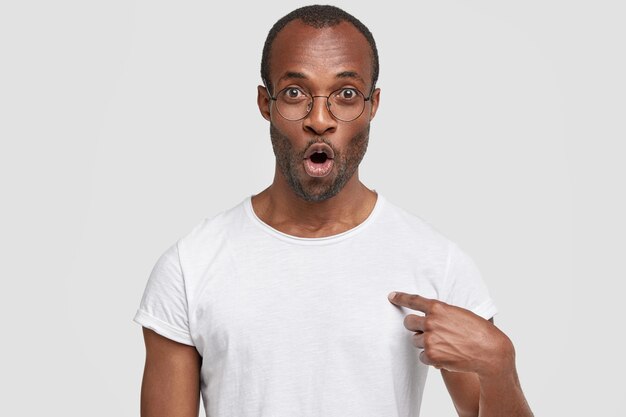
[{"x": 312, "y": 189}]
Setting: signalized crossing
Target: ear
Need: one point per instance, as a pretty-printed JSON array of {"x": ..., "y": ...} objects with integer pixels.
[
  {"x": 375, "y": 99},
  {"x": 264, "y": 102}
]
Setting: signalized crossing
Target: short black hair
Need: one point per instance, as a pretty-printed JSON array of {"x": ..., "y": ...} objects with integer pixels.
[{"x": 318, "y": 17}]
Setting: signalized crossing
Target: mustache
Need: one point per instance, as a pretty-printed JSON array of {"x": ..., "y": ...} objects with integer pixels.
[
  {"x": 315, "y": 139},
  {"x": 319, "y": 139}
]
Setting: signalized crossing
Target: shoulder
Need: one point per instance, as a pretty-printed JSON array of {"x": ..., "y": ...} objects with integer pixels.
[
  {"x": 412, "y": 228},
  {"x": 213, "y": 232}
]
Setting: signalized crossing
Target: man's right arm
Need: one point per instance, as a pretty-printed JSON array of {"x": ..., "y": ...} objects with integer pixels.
[{"x": 171, "y": 378}]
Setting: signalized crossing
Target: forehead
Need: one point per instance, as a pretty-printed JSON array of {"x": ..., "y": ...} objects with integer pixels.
[{"x": 321, "y": 54}]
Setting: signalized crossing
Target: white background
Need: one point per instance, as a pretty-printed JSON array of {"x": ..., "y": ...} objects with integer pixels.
[{"x": 124, "y": 123}]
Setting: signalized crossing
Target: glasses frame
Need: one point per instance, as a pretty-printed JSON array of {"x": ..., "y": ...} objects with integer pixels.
[{"x": 365, "y": 99}]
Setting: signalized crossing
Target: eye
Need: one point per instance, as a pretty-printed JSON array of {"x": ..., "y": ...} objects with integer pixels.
[
  {"x": 347, "y": 94},
  {"x": 293, "y": 94}
]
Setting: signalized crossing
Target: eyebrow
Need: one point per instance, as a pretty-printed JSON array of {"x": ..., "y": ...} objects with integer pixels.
[
  {"x": 350, "y": 74},
  {"x": 290, "y": 74}
]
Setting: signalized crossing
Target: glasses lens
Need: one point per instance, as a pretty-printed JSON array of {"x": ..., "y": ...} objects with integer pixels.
[
  {"x": 346, "y": 104},
  {"x": 293, "y": 103}
]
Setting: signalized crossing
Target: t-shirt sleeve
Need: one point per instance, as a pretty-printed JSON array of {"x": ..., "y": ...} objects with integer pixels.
[
  {"x": 164, "y": 307},
  {"x": 465, "y": 285}
]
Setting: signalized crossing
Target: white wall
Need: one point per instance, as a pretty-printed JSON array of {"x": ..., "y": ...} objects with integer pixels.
[{"x": 125, "y": 123}]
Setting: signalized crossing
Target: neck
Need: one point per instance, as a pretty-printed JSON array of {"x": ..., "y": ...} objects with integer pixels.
[{"x": 281, "y": 208}]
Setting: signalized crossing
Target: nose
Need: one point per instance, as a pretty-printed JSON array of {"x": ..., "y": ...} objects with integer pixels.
[{"x": 319, "y": 120}]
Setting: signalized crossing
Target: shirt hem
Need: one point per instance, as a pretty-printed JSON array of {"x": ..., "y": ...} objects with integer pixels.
[
  {"x": 485, "y": 310},
  {"x": 162, "y": 328},
  {"x": 326, "y": 240}
]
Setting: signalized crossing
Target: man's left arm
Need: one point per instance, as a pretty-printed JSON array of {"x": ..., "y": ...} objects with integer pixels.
[{"x": 476, "y": 358}]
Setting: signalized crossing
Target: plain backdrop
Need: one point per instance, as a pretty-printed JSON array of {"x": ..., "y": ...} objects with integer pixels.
[{"x": 123, "y": 124}]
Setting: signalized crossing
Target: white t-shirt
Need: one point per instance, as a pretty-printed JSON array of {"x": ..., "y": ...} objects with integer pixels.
[{"x": 290, "y": 326}]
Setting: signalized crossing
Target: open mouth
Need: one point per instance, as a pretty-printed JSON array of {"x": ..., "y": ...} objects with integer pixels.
[
  {"x": 319, "y": 157},
  {"x": 318, "y": 160}
]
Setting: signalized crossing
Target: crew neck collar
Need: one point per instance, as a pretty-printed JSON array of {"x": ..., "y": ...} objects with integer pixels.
[{"x": 380, "y": 201}]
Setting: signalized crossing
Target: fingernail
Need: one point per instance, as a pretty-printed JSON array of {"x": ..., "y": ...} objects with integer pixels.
[{"x": 391, "y": 295}]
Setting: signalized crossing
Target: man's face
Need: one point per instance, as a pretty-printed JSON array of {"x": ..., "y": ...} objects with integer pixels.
[{"x": 319, "y": 154}]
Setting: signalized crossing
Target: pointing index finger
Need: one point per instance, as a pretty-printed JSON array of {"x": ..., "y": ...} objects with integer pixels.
[{"x": 412, "y": 301}]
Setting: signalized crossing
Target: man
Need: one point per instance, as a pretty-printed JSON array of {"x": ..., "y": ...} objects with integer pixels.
[{"x": 279, "y": 306}]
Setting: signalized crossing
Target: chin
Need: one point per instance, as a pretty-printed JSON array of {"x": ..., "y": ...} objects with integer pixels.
[{"x": 321, "y": 191}]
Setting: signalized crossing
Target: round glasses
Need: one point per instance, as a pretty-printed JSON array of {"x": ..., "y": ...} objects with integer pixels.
[{"x": 345, "y": 104}]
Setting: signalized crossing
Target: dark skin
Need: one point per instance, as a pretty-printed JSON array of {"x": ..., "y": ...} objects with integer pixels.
[
  {"x": 477, "y": 360},
  {"x": 171, "y": 378},
  {"x": 322, "y": 58}
]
